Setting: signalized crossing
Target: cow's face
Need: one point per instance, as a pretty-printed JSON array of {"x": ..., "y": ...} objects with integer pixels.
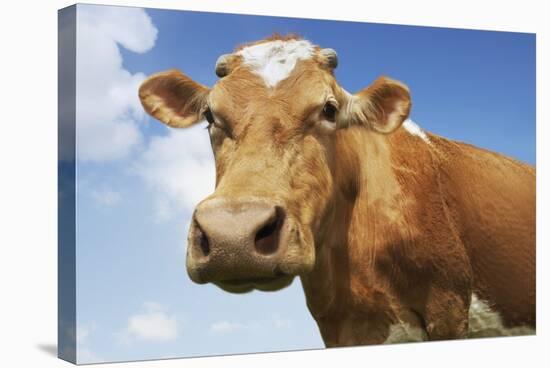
[{"x": 273, "y": 119}]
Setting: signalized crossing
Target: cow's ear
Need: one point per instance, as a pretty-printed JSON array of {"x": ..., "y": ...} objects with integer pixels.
[
  {"x": 173, "y": 98},
  {"x": 383, "y": 106}
]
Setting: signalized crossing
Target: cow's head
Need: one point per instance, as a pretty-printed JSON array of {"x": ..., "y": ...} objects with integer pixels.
[{"x": 273, "y": 118}]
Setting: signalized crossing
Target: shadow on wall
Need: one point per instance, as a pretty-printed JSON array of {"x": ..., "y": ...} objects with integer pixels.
[{"x": 50, "y": 349}]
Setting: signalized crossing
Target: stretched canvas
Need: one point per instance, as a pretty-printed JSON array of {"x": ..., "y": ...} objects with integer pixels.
[{"x": 238, "y": 184}]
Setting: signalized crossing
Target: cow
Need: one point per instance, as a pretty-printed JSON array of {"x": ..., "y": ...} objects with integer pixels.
[{"x": 397, "y": 234}]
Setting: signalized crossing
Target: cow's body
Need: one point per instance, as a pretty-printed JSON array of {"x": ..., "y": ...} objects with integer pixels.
[
  {"x": 396, "y": 234},
  {"x": 430, "y": 224}
]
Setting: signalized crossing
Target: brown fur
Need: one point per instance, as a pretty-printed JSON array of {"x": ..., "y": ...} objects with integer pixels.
[{"x": 385, "y": 227}]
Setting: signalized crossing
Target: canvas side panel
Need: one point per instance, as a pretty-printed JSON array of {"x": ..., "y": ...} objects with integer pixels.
[{"x": 66, "y": 318}]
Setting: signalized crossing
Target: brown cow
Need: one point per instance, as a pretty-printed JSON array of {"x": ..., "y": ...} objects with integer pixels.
[{"x": 397, "y": 234}]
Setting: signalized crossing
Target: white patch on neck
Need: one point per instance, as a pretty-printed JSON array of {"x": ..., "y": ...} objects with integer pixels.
[
  {"x": 484, "y": 322},
  {"x": 404, "y": 332},
  {"x": 275, "y": 60},
  {"x": 414, "y": 129}
]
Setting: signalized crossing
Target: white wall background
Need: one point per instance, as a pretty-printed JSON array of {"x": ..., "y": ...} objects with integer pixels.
[{"x": 28, "y": 187}]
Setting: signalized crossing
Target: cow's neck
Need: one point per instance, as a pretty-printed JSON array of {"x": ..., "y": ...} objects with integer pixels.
[{"x": 368, "y": 208}]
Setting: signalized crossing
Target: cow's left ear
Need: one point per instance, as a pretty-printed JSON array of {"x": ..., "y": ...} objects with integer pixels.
[{"x": 382, "y": 106}]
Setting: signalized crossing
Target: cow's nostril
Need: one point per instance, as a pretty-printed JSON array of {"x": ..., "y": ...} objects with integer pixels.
[
  {"x": 202, "y": 241},
  {"x": 267, "y": 238},
  {"x": 205, "y": 246}
]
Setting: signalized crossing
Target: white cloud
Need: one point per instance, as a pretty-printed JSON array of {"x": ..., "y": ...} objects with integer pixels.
[
  {"x": 163, "y": 210},
  {"x": 108, "y": 108},
  {"x": 279, "y": 322},
  {"x": 226, "y": 326},
  {"x": 153, "y": 324},
  {"x": 85, "y": 356},
  {"x": 131, "y": 27},
  {"x": 106, "y": 197},
  {"x": 153, "y": 306},
  {"x": 83, "y": 352},
  {"x": 180, "y": 168},
  {"x": 82, "y": 333},
  {"x": 223, "y": 327}
]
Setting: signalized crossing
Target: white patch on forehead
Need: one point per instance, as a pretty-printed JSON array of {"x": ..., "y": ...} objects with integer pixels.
[
  {"x": 275, "y": 60},
  {"x": 414, "y": 129}
]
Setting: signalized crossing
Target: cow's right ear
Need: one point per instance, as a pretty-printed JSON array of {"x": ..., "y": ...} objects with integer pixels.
[{"x": 173, "y": 98}]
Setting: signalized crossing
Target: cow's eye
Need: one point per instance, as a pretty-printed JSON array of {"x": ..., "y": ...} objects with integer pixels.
[
  {"x": 208, "y": 116},
  {"x": 329, "y": 111}
]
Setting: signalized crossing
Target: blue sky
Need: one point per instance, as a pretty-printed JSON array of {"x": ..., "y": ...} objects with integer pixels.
[{"x": 137, "y": 181}]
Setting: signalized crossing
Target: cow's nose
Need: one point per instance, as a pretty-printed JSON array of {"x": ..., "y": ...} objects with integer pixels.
[
  {"x": 235, "y": 239},
  {"x": 254, "y": 226}
]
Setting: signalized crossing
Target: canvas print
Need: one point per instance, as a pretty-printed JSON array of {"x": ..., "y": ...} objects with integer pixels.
[{"x": 238, "y": 184}]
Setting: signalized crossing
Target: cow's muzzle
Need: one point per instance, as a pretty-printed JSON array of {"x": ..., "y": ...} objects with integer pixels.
[{"x": 242, "y": 245}]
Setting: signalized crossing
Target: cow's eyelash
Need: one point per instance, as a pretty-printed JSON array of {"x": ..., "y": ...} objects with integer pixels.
[
  {"x": 215, "y": 122},
  {"x": 209, "y": 116}
]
